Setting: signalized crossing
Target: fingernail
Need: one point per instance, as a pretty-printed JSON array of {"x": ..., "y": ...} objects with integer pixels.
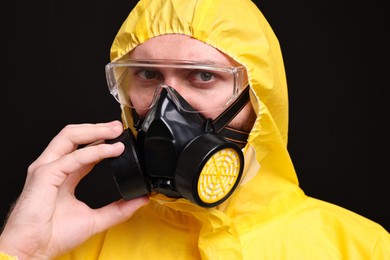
[{"x": 117, "y": 144}]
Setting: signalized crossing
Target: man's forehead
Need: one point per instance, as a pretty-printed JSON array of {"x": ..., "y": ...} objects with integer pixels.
[{"x": 179, "y": 47}]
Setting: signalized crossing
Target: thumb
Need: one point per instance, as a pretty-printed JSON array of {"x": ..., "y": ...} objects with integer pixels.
[{"x": 117, "y": 212}]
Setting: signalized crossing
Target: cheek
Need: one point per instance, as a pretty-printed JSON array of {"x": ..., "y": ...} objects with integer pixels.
[
  {"x": 212, "y": 114},
  {"x": 245, "y": 119},
  {"x": 142, "y": 112}
]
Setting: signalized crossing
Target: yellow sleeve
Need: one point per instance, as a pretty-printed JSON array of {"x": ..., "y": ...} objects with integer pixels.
[{"x": 4, "y": 256}]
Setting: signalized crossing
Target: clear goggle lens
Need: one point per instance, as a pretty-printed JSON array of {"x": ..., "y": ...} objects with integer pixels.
[{"x": 136, "y": 83}]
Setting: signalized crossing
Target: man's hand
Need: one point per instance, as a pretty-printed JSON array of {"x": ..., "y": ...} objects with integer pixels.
[{"x": 48, "y": 219}]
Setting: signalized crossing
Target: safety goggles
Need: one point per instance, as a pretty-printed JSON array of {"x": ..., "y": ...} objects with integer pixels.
[{"x": 206, "y": 87}]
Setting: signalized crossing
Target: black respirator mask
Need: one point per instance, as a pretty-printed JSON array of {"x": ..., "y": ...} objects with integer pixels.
[{"x": 181, "y": 154}]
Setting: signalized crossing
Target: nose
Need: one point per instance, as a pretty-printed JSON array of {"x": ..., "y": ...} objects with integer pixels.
[
  {"x": 179, "y": 81},
  {"x": 174, "y": 82}
]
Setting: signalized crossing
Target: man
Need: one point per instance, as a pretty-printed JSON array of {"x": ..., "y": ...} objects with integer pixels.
[{"x": 198, "y": 58}]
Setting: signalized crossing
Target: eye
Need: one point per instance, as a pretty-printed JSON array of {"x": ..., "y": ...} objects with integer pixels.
[
  {"x": 148, "y": 74},
  {"x": 203, "y": 76}
]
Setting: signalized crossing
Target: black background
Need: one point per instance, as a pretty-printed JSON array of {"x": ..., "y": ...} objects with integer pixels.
[{"x": 336, "y": 59}]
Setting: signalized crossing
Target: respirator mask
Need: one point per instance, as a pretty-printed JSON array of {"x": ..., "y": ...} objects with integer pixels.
[{"x": 174, "y": 149}]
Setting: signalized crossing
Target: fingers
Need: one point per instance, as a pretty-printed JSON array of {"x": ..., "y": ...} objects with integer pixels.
[
  {"x": 117, "y": 212},
  {"x": 74, "y": 165},
  {"x": 71, "y": 136},
  {"x": 61, "y": 158},
  {"x": 79, "y": 163}
]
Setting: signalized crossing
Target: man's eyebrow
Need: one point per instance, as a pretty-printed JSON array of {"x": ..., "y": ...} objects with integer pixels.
[
  {"x": 213, "y": 62},
  {"x": 209, "y": 62}
]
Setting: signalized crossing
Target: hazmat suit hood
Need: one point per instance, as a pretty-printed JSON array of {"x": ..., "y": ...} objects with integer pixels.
[
  {"x": 238, "y": 29},
  {"x": 268, "y": 216},
  {"x": 247, "y": 38}
]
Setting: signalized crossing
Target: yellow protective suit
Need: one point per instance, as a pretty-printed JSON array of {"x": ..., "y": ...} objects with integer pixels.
[{"x": 268, "y": 216}]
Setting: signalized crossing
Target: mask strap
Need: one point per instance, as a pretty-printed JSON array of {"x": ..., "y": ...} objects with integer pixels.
[
  {"x": 137, "y": 120},
  {"x": 236, "y": 136},
  {"x": 220, "y": 123}
]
